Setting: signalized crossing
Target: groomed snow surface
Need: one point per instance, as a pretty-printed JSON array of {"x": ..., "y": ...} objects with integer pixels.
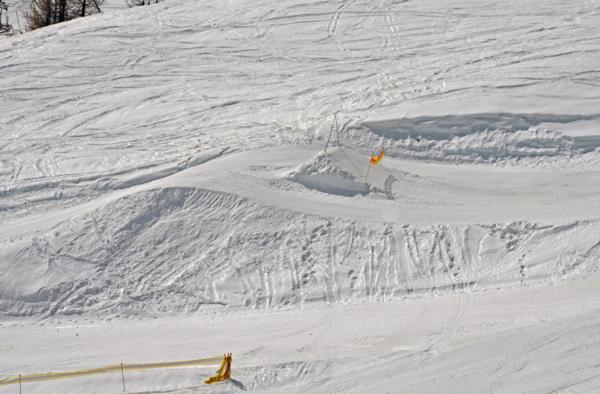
[{"x": 165, "y": 195}]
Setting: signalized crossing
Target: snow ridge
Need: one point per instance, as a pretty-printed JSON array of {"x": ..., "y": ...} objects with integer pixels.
[{"x": 482, "y": 138}]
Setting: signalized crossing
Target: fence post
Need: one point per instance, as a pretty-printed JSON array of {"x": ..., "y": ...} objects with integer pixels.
[{"x": 123, "y": 377}]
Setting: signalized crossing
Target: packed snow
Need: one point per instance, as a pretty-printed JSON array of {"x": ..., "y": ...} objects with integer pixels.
[{"x": 165, "y": 194}]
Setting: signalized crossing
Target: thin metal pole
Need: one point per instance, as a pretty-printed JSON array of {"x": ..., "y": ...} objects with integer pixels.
[
  {"x": 337, "y": 131},
  {"x": 330, "y": 131},
  {"x": 123, "y": 377},
  {"x": 20, "y": 384}
]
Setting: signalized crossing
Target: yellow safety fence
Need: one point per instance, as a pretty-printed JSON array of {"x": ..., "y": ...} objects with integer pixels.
[
  {"x": 224, "y": 371},
  {"x": 38, "y": 377}
]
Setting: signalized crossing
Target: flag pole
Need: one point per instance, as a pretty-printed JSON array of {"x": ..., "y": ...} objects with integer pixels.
[
  {"x": 331, "y": 131},
  {"x": 337, "y": 131}
]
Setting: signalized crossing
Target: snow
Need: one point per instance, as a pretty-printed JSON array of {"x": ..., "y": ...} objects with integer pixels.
[
  {"x": 321, "y": 173},
  {"x": 165, "y": 195},
  {"x": 520, "y": 339}
]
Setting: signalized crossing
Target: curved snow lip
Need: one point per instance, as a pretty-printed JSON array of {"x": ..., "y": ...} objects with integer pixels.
[
  {"x": 485, "y": 137},
  {"x": 448, "y": 126},
  {"x": 322, "y": 174}
]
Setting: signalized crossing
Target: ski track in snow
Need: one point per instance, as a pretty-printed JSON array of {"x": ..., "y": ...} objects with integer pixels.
[{"x": 167, "y": 160}]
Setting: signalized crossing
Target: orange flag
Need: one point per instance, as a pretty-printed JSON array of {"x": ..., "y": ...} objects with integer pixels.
[{"x": 377, "y": 159}]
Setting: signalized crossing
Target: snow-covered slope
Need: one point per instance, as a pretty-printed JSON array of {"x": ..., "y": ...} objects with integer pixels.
[
  {"x": 235, "y": 232},
  {"x": 169, "y": 159}
]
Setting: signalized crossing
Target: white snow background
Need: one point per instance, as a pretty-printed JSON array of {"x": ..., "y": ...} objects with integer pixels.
[{"x": 164, "y": 195}]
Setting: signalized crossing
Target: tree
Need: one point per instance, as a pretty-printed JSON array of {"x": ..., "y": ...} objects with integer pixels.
[
  {"x": 133, "y": 3},
  {"x": 5, "y": 28},
  {"x": 47, "y": 12}
]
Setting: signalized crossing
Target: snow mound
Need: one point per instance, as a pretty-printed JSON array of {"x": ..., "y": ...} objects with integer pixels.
[
  {"x": 323, "y": 174},
  {"x": 183, "y": 249}
]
